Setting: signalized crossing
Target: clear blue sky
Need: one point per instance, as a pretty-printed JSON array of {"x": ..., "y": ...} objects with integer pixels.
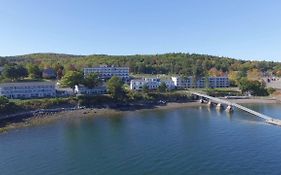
[{"x": 244, "y": 29}]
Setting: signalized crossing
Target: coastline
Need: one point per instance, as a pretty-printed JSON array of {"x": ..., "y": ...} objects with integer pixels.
[{"x": 94, "y": 112}]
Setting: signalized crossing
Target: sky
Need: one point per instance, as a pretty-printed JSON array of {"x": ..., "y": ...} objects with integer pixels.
[{"x": 242, "y": 29}]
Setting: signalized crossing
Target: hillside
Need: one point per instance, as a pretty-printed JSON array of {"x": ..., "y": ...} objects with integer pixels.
[{"x": 172, "y": 63}]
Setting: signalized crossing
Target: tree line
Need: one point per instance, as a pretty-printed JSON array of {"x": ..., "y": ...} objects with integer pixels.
[{"x": 173, "y": 63}]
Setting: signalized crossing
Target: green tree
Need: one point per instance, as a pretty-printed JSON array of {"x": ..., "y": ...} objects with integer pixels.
[
  {"x": 162, "y": 87},
  {"x": 6, "y": 105},
  {"x": 14, "y": 72},
  {"x": 115, "y": 88},
  {"x": 92, "y": 80},
  {"x": 254, "y": 87},
  {"x": 197, "y": 73},
  {"x": 145, "y": 88},
  {"x": 71, "y": 78},
  {"x": 9, "y": 72},
  {"x": 21, "y": 71},
  {"x": 3, "y": 102},
  {"x": 34, "y": 71}
]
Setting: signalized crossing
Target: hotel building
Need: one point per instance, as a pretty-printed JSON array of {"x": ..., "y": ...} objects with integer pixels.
[
  {"x": 213, "y": 82},
  {"x": 106, "y": 72},
  {"x": 28, "y": 90},
  {"x": 151, "y": 83}
]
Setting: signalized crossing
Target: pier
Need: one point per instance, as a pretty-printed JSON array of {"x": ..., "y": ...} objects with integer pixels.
[{"x": 219, "y": 103}]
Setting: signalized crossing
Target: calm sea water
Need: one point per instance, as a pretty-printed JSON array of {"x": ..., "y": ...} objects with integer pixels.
[{"x": 194, "y": 140}]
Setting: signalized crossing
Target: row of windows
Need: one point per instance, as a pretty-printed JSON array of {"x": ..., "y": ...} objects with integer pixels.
[
  {"x": 28, "y": 87},
  {"x": 25, "y": 92},
  {"x": 106, "y": 70}
]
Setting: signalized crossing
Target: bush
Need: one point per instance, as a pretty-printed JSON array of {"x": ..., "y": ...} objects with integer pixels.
[
  {"x": 94, "y": 100},
  {"x": 271, "y": 90}
]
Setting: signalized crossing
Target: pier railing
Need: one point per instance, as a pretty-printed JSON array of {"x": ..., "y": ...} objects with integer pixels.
[{"x": 267, "y": 118}]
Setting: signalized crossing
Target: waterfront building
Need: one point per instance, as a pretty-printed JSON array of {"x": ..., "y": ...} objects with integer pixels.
[
  {"x": 151, "y": 83},
  {"x": 82, "y": 90},
  {"x": 23, "y": 90},
  {"x": 213, "y": 82},
  {"x": 106, "y": 72},
  {"x": 49, "y": 73}
]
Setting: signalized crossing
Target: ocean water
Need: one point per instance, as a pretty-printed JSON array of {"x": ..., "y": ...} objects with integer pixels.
[{"x": 193, "y": 140}]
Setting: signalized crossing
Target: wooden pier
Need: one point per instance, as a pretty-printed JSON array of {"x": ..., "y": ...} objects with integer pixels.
[{"x": 266, "y": 118}]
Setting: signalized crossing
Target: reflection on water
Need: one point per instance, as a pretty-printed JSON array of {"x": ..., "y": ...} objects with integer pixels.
[{"x": 193, "y": 140}]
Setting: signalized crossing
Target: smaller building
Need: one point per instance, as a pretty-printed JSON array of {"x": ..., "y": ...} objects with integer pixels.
[
  {"x": 151, "y": 83},
  {"x": 212, "y": 82},
  {"x": 82, "y": 90},
  {"x": 49, "y": 73},
  {"x": 28, "y": 90}
]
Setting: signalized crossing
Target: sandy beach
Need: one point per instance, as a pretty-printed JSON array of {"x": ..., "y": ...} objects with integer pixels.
[{"x": 84, "y": 113}]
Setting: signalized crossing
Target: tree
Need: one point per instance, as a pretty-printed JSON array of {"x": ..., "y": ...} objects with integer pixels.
[
  {"x": 233, "y": 77},
  {"x": 14, "y": 72},
  {"x": 34, "y": 71},
  {"x": 271, "y": 90},
  {"x": 92, "y": 80},
  {"x": 254, "y": 87},
  {"x": 254, "y": 74},
  {"x": 59, "y": 69},
  {"x": 214, "y": 72},
  {"x": 145, "y": 88},
  {"x": 197, "y": 73},
  {"x": 6, "y": 105},
  {"x": 72, "y": 78},
  {"x": 162, "y": 87},
  {"x": 115, "y": 88},
  {"x": 3, "y": 102}
]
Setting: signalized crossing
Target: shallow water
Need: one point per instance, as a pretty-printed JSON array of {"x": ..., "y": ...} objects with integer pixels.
[{"x": 194, "y": 140}]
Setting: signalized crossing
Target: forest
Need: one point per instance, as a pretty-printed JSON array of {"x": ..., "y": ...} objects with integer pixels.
[{"x": 172, "y": 63}]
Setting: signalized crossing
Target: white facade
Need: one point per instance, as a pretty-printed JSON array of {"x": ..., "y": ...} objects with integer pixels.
[
  {"x": 80, "y": 89},
  {"x": 106, "y": 72},
  {"x": 28, "y": 90},
  {"x": 213, "y": 82},
  {"x": 151, "y": 83}
]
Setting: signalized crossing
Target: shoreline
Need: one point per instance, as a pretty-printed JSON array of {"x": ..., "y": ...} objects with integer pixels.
[{"x": 95, "y": 112}]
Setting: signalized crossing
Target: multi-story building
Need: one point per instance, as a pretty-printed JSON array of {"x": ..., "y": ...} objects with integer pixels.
[
  {"x": 182, "y": 82},
  {"x": 106, "y": 72},
  {"x": 28, "y": 90},
  {"x": 218, "y": 82},
  {"x": 213, "y": 82},
  {"x": 151, "y": 83}
]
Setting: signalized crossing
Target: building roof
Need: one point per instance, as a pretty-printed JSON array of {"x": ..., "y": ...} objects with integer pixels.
[{"x": 26, "y": 83}]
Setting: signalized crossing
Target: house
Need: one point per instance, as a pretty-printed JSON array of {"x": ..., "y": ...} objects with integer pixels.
[
  {"x": 151, "y": 83},
  {"x": 49, "y": 73},
  {"x": 28, "y": 90},
  {"x": 213, "y": 82},
  {"x": 106, "y": 72},
  {"x": 81, "y": 89}
]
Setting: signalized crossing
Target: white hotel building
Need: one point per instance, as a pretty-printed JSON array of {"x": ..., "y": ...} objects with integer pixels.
[
  {"x": 213, "y": 82},
  {"x": 151, "y": 83},
  {"x": 28, "y": 90},
  {"x": 106, "y": 72}
]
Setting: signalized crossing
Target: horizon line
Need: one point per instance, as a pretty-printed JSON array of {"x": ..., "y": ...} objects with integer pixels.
[{"x": 134, "y": 54}]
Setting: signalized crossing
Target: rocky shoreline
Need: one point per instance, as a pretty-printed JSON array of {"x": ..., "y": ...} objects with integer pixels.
[{"x": 39, "y": 117}]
